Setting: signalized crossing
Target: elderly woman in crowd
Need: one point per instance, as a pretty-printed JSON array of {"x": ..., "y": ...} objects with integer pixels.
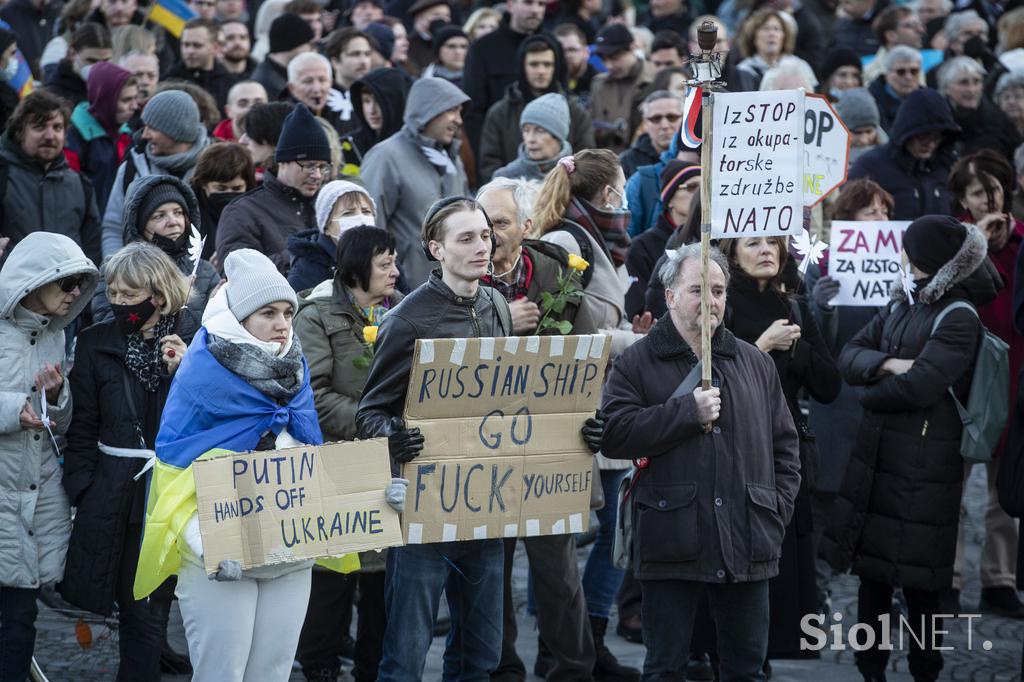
[
  {"x": 1009, "y": 95},
  {"x": 984, "y": 125},
  {"x": 44, "y": 284},
  {"x": 901, "y": 77},
  {"x": 120, "y": 380}
]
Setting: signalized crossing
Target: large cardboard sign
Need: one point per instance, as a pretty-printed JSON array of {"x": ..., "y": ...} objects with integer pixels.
[
  {"x": 757, "y": 164},
  {"x": 865, "y": 259},
  {"x": 308, "y": 502},
  {"x": 826, "y": 149},
  {"x": 501, "y": 418}
]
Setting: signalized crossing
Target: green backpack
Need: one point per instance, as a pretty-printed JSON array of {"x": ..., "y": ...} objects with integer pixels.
[{"x": 988, "y": 403}]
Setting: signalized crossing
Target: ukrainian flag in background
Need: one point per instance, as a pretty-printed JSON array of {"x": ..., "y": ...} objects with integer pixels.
[
  {"x": 171, "y": 14},
  {"x": 22, "y": 81}
]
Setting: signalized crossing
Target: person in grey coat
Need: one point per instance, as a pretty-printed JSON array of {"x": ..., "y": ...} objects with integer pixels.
[
  {"x": 545, "y": 127},
  {"x": 718, "y": 480},
  {"x": 415, "y": 167},
  {"x": 35, "y": 406},
  {"x": 163, "y": 210}
]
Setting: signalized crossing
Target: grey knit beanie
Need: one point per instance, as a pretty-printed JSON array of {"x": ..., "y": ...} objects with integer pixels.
[
  {"x": 857, "y": 108},
  {"x": 253, "y": 282},
  {"x": 550, "y": 112},
  {"x": 174, "y": 114},
  {"x": 329, "y": 195}
]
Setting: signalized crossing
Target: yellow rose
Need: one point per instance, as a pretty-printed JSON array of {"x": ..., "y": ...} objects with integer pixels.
[
  {"x": 577, "y": 263},
  {"x": 370, "y": 333}
]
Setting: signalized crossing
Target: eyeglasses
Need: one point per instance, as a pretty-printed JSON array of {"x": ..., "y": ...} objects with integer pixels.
[
  {"x": 907, "y": 71},
  {"x": 310, "y": 168},
  {"x": 658, "y": 118},
  {"x": 70, "y": 283},
  {"x": 690, "y": 187}
]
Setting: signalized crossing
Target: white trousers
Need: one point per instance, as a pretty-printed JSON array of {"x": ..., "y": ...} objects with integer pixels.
[{"x": 244, "y": 631}]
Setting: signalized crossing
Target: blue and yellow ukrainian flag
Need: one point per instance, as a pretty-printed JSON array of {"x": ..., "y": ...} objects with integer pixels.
[
  {"x": 22, "y": 81},
  {"x": 172, "y": 15}
]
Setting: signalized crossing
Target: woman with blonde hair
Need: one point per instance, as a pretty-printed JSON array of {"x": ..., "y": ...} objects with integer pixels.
[
  {"x": 764, "y": 38},
  {"x": 481, "y": 22}
]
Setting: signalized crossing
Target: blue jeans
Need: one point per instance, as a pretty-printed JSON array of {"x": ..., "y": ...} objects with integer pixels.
[
  {"x": 18, "y": 611},
  {"x": 740, "y": 612},
  {"x": 601, "y": 580},
  {"x": 471, "y": 574}
]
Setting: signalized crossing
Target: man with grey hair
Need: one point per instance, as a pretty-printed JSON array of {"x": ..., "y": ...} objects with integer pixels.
[
  {"x": 961, "y": 27},
  {"x": 789, "y": 73},
  {"x": 717, "y": 484},
  {"x": 525, "y": 269},
  {"x": 309, "y": 81},
  {"x": 901, "y": 77},
  {"x": 662, "y": 111}
]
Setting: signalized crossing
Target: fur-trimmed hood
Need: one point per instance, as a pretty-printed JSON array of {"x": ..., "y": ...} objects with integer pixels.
[{"x": 969, "y": 266}]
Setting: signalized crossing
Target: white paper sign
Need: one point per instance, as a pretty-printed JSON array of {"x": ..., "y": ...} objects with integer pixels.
[
  {"x": 826, "y": 149},
  {"x": 865, "y": 260},
  {"x": 757, "y": 164}
]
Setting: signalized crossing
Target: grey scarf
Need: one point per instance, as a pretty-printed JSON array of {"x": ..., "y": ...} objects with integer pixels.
[
  {"x": 278, "y": 378},
  {"x": 179, "y": 165}
]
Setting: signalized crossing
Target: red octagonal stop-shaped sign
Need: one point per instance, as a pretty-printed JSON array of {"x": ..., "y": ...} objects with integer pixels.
[{"x": 826, "y": 149}]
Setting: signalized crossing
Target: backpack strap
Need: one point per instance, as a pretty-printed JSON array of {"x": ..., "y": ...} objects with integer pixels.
[
  {"x": 965, "y": 417},
  {"x": 586, "y": 250}
]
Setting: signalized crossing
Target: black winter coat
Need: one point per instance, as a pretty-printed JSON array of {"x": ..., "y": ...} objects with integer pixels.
[
  {"x": 640, "y": 153},
  {"x": 888, "y": 103},
  {"x": 217, "y": 81},
  {"x": 313, "y": 259},
  {"x": 986, "y": 127},
  {"x": 918, "y": 187},
  {"x": 897, "y": 516},
  {"x": 710, "y": 507},
  {"x": 110, "y": 406},
  {"x": 64, "y": 82},
  {"x": 645, "y": 251}
]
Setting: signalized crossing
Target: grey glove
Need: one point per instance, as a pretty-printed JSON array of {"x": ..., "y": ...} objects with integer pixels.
[
  {"x": 825, "y": 289},
  {"x": 228, "y": 570},
  {"x": 394, "y": 494}
]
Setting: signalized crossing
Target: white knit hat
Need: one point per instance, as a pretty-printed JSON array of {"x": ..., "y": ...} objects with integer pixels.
[
  {"x": 253, "y": 282},
  {"x": 329, "y": 195}
]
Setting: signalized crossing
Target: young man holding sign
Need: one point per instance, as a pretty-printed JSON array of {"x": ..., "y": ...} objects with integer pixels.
[{"x": 451, "y": 304}]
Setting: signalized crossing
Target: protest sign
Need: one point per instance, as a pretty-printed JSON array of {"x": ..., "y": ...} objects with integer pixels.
[
  {"x": 501, "y": 418},
  {"x": 757, "y": 164},
  {"x": 865, "y": 260},
  {"x": 308, "y": 502},
  {"x": 826, "y": 149}
]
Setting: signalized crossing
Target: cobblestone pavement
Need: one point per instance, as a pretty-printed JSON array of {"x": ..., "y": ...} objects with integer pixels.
[{"x": 65, "y": 661}]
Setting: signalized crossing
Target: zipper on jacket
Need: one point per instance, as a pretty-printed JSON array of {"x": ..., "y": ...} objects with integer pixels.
[
  {"x": 924, "y": 429},
  {"x": 476, "y": 320}
]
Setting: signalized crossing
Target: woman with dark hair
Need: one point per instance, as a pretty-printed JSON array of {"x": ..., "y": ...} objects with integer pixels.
[
  {"x": 981, "y": 186},
  {"x": 120, "y": 380},
  {"x": 223, "y": 173},
  {"x": 336, "y": 322},
  {"x": 761, "y": 311}
]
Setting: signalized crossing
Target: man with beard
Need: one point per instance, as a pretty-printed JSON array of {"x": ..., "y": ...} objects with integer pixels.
[
  {"x": 169, "y": 144},
  {"x": 39, "y": 192},
  {"x": 235, "y": 47},
  {"x": 198, "y": 60},
  {"x": 349, "y": 51}
]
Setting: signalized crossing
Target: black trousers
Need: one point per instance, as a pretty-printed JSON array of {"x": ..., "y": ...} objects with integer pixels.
[
  {"x": 142, "y": 624},
  {"x": 874, "y": 599}
]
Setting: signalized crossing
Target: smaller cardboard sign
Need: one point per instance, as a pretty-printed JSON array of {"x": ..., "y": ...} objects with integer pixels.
[
  {"x": 309, "y": 502},
  {"x": 826, "y": 149},
  {"x": 865, "y": 259},
  {"x": 757, "y": 164}
]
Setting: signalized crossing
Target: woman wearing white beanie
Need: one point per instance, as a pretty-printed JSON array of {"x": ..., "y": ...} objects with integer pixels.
[{"x": 340, "y": 205}]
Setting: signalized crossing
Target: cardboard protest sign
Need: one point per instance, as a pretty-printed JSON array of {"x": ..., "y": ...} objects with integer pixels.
[
  {"x": 278, "y": 506},
  {"x": 501, "y": 418},
  {"x": 865, "y": 260},
  {"x": 757, "y": 164},
  {"x": 826, "y": 149}
]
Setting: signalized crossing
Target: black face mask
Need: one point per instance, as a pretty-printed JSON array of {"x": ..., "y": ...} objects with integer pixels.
[
  {"x": 218, "y": 200},
  {"x": 172, "y": 247},
  {"x": 130, "y": 318}
]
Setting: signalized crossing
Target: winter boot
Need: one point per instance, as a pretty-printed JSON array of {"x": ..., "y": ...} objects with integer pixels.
[{"x": 606, "y": 667}]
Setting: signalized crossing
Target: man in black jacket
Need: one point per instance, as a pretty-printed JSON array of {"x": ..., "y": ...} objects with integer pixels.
[
  {"x": 489, "y": 71},
  {"x": 718, "y": 479},
  {"x": 198, "y": 61}
]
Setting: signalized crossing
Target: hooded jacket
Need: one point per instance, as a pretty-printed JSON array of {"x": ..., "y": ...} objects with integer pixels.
[
  {"x": 207, "y": 278},
  {"x": 643, "y": 191},
  {"x": 404, "y": 183},
  {"x": 35, "y": 520},
  {"x": 389, "y": 87},
  {"x": 94, "y": 135},
  {"x": 40, "y": 199},
  {"x": 525, "y": 167},
  {"x": 502, "y": 134},
  {"x": 918, "y": 187},
  {"x": 898, "y": 512}
]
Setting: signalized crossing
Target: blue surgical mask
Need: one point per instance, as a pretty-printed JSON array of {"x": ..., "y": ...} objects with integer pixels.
[{"x": 623, "y": 205}]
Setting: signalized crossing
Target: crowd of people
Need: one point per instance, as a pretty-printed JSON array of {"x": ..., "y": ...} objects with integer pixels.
[{"x": 230, "y": 232}]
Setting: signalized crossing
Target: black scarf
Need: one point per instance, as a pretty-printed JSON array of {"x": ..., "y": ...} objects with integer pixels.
[
  {"x": 278, "y": 378},
  {"x": 143, "y": 358}
]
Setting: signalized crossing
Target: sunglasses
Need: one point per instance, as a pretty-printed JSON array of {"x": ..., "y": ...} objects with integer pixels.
[
  {"x": 70, "y": 283},
  {"x": 908, "y": 71},
  {"x": 658, "y": 118}
]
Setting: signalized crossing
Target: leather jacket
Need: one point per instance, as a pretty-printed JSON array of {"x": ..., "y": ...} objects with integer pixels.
[{"x": 432, "y": 311}]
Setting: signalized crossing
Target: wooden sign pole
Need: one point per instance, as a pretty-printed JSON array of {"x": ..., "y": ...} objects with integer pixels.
[{"x": 705, "y": 239}]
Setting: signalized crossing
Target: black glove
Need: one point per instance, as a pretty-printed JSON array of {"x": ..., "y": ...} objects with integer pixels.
[
  {"x": 825, "y": 289},
  {"x": 593, "y": 431},
  {"x": 404, "y": 445}
]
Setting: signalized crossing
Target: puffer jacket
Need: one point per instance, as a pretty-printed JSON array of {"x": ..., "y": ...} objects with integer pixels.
[
  {"x": 432, "y": 311},
  {"x": 35, "y": 520},
  {"x": 330, "y": 329},
  {"x": 898, "y": 511},
  {"x": 207, "y": 278},
  {"x": 313, "y": 255}
]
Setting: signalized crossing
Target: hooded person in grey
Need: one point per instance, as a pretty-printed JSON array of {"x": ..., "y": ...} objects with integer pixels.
[
  {"x": 35, "y": 519},
  {"x": 415, "y": 167}
]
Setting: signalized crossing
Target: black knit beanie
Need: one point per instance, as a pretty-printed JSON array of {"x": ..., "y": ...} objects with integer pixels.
[
  {"x": 157, "y": 197},
  {"x": 302, "y": 138},
  {"x": 931, "y": 241}
]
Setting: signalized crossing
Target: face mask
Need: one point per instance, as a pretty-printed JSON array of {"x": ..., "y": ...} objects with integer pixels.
[
  {"x": 130, "y": 318},
  {"x": 218, "y": 200},
  {"x": 9, "y": 71},
  {"x": 85, "y": 72},
  {"x": 623, "y": 207},
  {"x": 168, "y": 245},
  {"x": 349, "y": 221}
]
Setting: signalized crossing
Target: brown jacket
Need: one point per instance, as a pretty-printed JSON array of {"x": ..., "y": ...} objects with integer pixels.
[{"x": 615, "y": 106}]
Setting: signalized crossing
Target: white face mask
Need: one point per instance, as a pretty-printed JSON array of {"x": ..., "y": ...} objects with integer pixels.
[
  {"x": 11, "y": 70},
  {"x": 349, "y": 221},
  {"x": 85, "y": 72}
]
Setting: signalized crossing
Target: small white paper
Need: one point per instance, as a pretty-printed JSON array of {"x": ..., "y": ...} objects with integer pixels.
[
  {"x": 532, "y": 527},
  {"x": 449, "y": 532},
  {"x": 458, "y": 351},
  {"x": 511, "y": 530},
  {"x": 415, "y": 534},
  {"x": 532, "y": 344},
  {"x": 487, "y": 348},
  {"x": 576, "y": 523},
  {"x": 557, "y": 345},
  {"x": 583, "y": 347},
  {"x": 558, "y": 527},
  {"x": 512, "y": 344},
  {"x": 480, "y": 533},
  {"x": 426, "y": 351}
]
